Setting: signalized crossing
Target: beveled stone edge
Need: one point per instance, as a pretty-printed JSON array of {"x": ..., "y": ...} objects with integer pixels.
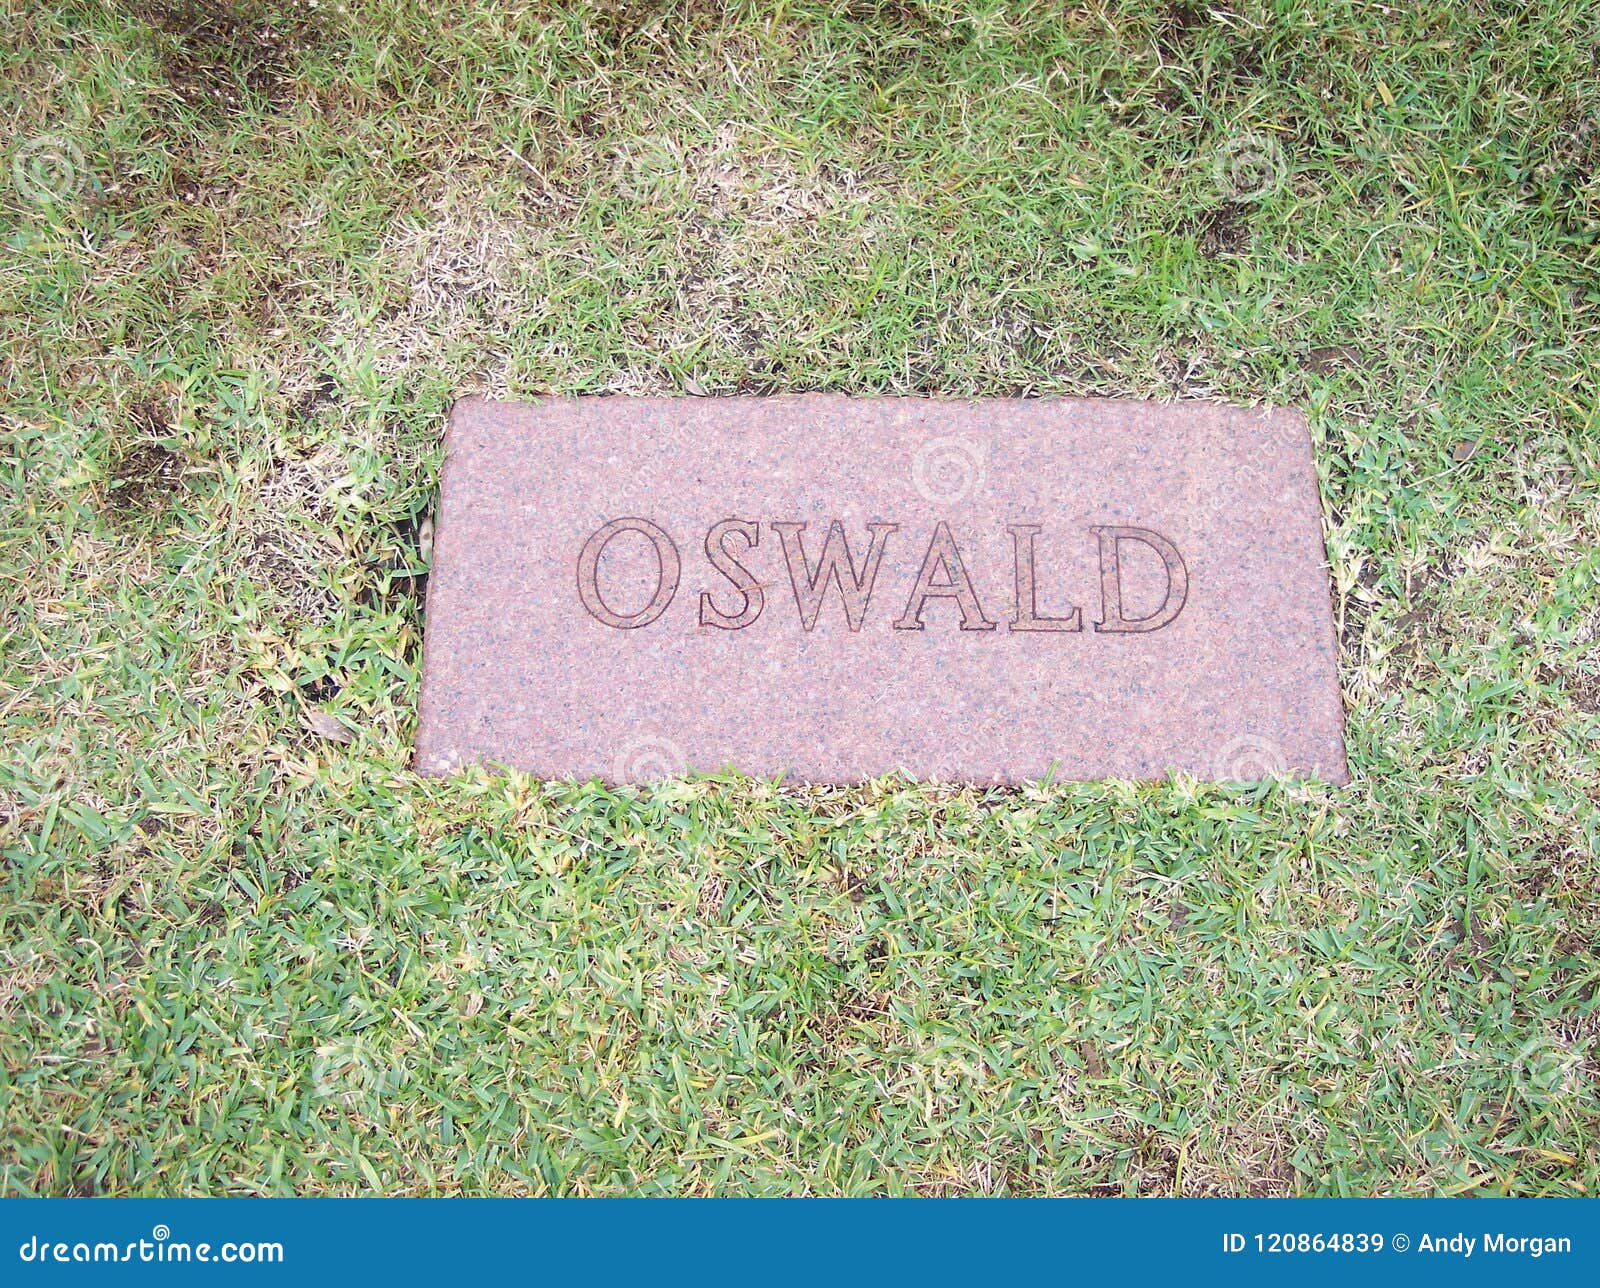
[{"x": 467, "y": 404}]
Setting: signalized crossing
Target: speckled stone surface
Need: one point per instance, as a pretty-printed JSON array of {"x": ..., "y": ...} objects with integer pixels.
[{"x": 634, "y": 587}]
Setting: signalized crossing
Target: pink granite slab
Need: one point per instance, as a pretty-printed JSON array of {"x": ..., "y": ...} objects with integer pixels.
[{"x": 634, "y": 587}]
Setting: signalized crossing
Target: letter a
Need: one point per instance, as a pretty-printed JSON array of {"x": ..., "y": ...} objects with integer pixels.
[{"x": 956, "y": 585}]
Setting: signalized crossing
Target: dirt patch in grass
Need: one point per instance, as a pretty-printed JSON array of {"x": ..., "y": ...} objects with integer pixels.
[
  {"x": 1585, "y": 690},
  {"x": 1221, "y": 230},
  {"x": 1329, "y": 358},
  {"x": 321, "y": 394},
  {"x": 229, "y": 57},
  {"x": 615, "y": 22},
  {"x": 1179, "y": 28},
  {"x": 144, "y": 472},
  {"x": 144, "y": 475},
  {"x": 397, "y": 581},
  {"x": 1423, "y": 620},
  {"x": 1357, "y": 607},
  {"x": 1541, "y": 873},
  {"x": 1186, "y": 29}
]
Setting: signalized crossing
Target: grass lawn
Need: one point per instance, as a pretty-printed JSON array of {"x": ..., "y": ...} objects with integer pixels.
[{"x": 251, "y": 254}]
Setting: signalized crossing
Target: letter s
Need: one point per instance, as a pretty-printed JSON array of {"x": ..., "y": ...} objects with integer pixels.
[{"x": 755, "y": 598}]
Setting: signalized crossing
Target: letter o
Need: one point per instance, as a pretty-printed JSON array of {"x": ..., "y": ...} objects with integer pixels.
[{"x": 667, "y": 569}]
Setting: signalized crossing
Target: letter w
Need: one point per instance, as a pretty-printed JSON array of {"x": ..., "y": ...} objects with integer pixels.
[{"x": 810, "y": 588}]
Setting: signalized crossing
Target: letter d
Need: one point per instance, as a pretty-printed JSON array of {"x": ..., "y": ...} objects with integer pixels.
[
  {"x": 29, "y": 1250},
  {"x": 1112, "y": 617}
]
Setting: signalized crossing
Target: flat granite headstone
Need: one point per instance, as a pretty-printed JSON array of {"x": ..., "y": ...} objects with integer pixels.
[{"x": 832, "y": 588}]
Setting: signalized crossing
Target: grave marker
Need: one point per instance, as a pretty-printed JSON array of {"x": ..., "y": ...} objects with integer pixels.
[{"x": 833, "y": 588}]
